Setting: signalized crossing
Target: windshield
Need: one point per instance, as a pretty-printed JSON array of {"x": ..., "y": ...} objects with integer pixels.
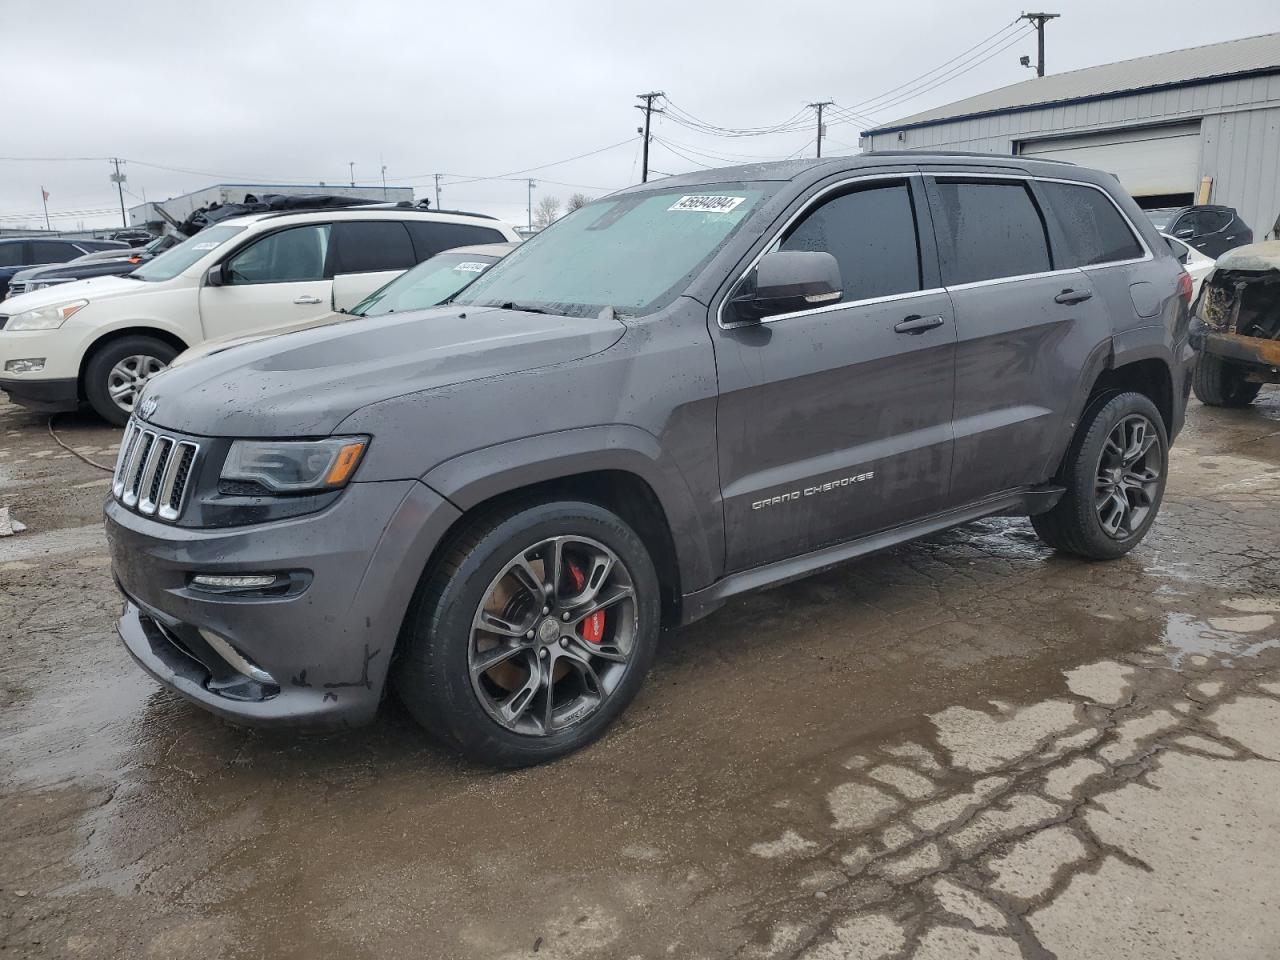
[
  {"x": 1160, "y": 216},
  {"x": 635, "y": 253},
  {"x": 172, "y": 262},
  {"x": 426, "y": 285}
]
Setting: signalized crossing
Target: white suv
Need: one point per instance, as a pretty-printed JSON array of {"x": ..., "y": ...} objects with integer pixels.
[{"x": 99, "y": 340}]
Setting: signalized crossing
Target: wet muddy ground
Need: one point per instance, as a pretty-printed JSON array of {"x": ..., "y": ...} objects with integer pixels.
[{"x": 965, "y": 747}]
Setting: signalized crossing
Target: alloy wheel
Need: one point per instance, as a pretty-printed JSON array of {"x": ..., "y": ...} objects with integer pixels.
[
  {"x": 1128, "y": 476},
  {"x": 553, "y": 636},
  {"x": 129, "y": 376}
]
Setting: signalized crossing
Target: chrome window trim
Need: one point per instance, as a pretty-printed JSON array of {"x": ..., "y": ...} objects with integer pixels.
[
  {"x": 805, "y": 208},
  {"x": 939, "y": 175}
]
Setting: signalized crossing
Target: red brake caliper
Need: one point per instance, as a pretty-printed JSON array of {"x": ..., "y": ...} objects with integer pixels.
[{"x": 592, "y": 628}]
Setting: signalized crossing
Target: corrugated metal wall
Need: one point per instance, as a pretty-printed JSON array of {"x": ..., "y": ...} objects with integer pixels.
[{"x": 1239, "y": 135}]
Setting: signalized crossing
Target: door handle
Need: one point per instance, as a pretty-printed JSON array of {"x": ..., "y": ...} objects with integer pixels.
[
  {"x": 306, "y": 298},
  {"x": 1073, "y": 296},
  {"x": 918, "y": 324}
]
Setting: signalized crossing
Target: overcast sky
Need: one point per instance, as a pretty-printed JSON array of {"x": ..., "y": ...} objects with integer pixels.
[{"x": 290, "y": 92}]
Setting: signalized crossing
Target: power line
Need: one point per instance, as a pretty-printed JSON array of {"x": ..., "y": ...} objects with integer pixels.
[
  {"x": 686, "y": 119},
  {"x": 959, "y": 70},
  {"x": 867, "y": 103}
]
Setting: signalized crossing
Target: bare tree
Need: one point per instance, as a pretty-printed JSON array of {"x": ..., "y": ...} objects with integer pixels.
[
  {"x": 546, "y": 212},
  {"x": 577, "y": 200}
]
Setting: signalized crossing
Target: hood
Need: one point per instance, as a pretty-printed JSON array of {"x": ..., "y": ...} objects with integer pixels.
[
  {"x": 210, "y": 347},
  {"x": 96, "y": 288},
  {"x": 1252, "y": 256},
  {"x": 308, "y": 382}
]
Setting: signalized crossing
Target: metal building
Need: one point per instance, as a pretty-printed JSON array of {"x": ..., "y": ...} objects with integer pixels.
[
  {"x": 181, "y": 207},
  {"x": 1200, "y": 125}
]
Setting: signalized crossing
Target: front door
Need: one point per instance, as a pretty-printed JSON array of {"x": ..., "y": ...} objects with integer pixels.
[
  {"x": 835, "y": 422},
  {"x": 278, "y": 279}
]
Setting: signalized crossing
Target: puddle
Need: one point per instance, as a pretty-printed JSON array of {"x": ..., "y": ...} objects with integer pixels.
[{"x": 1186, "y": 636}]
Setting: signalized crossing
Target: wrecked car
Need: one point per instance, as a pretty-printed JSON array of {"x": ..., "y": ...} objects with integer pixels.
[{"x": 1236, "y": 326}]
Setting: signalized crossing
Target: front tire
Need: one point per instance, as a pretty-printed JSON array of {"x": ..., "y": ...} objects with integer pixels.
[
  {"x": 1115, "y": 472},
  {"x": 117, "y": 372},
  {"x": 531, "y": 634},
  {"x": 1219, "y": 383}
]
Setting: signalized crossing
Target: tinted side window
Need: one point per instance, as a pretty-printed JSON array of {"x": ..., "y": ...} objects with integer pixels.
[
  {"x": 11, "y": 255},
  {"x": 1093, "y": 229},
  {"x": 295, "y": 254},
  {"x": 52, "y": 251},
  {"x": 1211, "y": 221},
  {"x": 872, "y": 235},
  {"x": 1188, "y": 221},
  {"x": 371, "y": 246},
  {"x": 431, "y": 237},
  {"x": 993, "y": 230}
]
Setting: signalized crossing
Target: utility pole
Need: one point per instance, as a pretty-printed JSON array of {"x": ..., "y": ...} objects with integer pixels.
[
  {"x": 437, "y": 176},
  {"x": 118, "y": 179},
  {"x": 819, "y": 107},
  {"x": 384, "y": 181},
  {"x": 1039, "y": 20},
  {"x": 352, "y": 167},
  {"x": 649, "y": 110},
  {"x": 531, "y": 186}
]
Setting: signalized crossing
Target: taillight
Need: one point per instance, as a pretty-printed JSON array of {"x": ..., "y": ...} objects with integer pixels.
[{"x": 1185, "y": 287}]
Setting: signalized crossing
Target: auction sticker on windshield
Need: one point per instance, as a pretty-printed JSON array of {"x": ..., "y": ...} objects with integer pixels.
[
  {"x": 471, "y": 266},
  {"x": 706, "y": 203}
]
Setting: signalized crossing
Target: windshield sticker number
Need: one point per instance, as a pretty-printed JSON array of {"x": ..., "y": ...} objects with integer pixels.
[
  {"x": 471, "y": 266},
  {"x": 206, "y": 245},
  {"x": 706, "y": 203}
]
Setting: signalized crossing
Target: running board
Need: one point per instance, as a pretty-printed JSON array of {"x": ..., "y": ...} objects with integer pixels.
[{"x": 1026, "y": 502}]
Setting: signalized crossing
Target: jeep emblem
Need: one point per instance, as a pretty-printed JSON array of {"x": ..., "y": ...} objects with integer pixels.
[{"x": 148, "y": 408}]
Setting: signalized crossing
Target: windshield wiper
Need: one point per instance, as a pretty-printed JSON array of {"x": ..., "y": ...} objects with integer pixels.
[{"x": 509, "y": 305}]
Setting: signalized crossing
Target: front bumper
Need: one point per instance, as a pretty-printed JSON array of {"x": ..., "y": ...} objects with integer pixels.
[
  {"x": 43, "y": 396},
  {"x": 326, "y": 646}
]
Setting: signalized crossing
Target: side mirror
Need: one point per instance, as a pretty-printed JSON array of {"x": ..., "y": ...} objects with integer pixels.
[
  {"x": 788, "y": 280},
  {"x": 348, "y": 290},
  {"x": 216, "y": 276}
]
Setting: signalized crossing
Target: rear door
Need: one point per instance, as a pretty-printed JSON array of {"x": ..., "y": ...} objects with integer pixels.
[
  {"x": 835, "y": 422},
  {"x": 370, "y": 253},
  {"x": 1026, "y": 320},
  {"x": 278, "y": 278}
]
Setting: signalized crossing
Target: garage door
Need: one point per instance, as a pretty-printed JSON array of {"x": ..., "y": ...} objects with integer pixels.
[{"x": 1153, "y": 160}]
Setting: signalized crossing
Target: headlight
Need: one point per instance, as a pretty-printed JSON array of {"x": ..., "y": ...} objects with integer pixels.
[
  {"x": 46, "y": 318},
  {"x": 295, "y": 466}
]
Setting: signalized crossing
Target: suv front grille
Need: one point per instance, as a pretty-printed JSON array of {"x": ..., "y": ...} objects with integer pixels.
[{"x": 153, "y": 472}]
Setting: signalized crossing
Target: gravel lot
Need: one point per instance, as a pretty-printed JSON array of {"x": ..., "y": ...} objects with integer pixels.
[{"x": 963, "y": 747}]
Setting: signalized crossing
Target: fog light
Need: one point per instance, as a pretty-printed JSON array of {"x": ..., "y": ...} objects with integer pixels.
[
  {"x": 235, "y": 658},
  {"x": 256, "y": 581},
  {"x": 30, "y": 365}
]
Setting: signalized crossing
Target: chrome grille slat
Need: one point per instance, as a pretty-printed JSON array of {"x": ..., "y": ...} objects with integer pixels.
[
  {"x": 137, "y": 462},
  {"x": 173, "y": 491},
  {"x": 154, "y": 472},
  {"x": 126, "y": 447}
]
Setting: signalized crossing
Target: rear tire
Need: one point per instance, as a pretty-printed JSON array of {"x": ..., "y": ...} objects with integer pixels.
[
  {"x": 118, "y": 370},
  {"x": 1220, "y": 383},
  {"x": 1110, "y": 501},
  {"x": 490, "y": 715}
]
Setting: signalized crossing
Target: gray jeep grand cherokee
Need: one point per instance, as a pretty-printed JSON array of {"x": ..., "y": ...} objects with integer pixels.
[{"x": 685, "y": 390}]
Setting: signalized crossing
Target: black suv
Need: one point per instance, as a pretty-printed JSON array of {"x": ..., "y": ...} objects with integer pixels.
[
  {"x": 691, "y": 388},
  {"x": 19, "y": 253},
  {"x": 1211, "y": 229}
]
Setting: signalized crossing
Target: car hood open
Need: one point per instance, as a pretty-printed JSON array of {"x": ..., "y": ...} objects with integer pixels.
[{"x": 304, "y": 384}]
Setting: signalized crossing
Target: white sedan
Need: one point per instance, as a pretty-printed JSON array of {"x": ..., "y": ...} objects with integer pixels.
[{"x": 1192, "y": 260}]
